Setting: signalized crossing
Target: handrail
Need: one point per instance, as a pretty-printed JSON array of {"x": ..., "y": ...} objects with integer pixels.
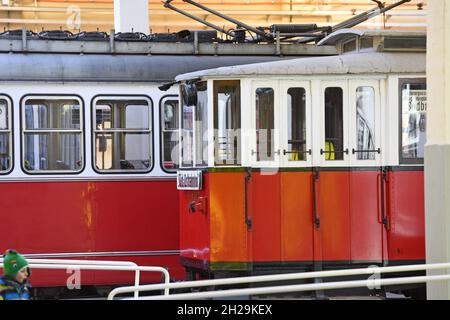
[
  {"x": 298, "y": 288},
  {"x": 290, "y": 276},
  {"x": 59, "y": 264}
]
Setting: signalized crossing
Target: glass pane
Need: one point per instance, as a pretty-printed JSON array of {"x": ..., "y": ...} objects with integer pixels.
[
  {"x": 4, "y": 116},
  {"x": 5, "y": 156},
  {"x": 170, "y": 138},
  {"x": 187, "y": 132},
  {"x": 53, "y": 152},
  {"x": 170, "y": 115},
  {"x": 334, "y": 125},
  {"x": 414, "y": 112},
  {"x": 52, "y": 114},
  {"x": 265, "y": 124},
  {"x": 350, "y": 46},
  {"x": 103, "y": 117},
  {"x": 227, "y": 123},
  {"x": 365, "y": 123},
  {"x": 201, "y": 124},
  {"x": 123, "y": 151},
  {"x": 296, "y": 124},
  {"x": 123, "y": 114}
]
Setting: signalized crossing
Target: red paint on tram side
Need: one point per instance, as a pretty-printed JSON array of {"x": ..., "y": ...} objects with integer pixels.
[
  {"x": 73, "y": 217},
  {"x": 406, "y": 234},
  {"x": 228, "y": 231},
  {"x": 265, "y": 214},
  {"x": 297, "y": 216},
  {"x": 366, "y": 228},
  {"x": 283, "y": 230},
  {"x": 334, "y": 212},
  {"x": 195, "y": 226}
]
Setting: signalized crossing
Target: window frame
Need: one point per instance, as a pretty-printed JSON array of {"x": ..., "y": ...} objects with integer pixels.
[
  {"x": 344, "y": 86},
  {"x": 207, "y": 120},
  {"x": 252, "y": 146},
  {"x": 284, "y": 88},
  {"x": 151, "y": 131},
  {"x": 163, "y": 99},
  {"x": 402, "y": 81},
  {"x": 10, "y": 130},
  {"x": 82, "y": 131},
  {"x": 374, "y": 84},
  {"x": 239, "y": 157}
]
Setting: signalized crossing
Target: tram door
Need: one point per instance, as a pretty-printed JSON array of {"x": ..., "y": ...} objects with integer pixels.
[
  {"x": 346, "y": 183},
  {"x": 264, "y": 191},
  {"x": 296, "y": 173},
  {"x": 366, "y": 222},
  {"x": 281, "y": 193}
]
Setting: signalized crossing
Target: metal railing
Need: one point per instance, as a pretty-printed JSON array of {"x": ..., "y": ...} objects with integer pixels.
[
  {"x": 369, "y": 283},
  {"x": 99, "y": 265}
]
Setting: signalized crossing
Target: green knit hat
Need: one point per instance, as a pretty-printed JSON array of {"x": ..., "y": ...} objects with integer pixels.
[{"x": 13, "y": 262}]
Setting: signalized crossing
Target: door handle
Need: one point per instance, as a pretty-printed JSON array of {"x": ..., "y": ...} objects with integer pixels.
[
  {"x": 366, "y": 151},
  {"x": 315, "y": 177},
  {"x": 384, "y": 180},
  {"x": 247, "y": 178},
  {"x": 335, "y": 151},
  {"x": 285, "y": 152}
]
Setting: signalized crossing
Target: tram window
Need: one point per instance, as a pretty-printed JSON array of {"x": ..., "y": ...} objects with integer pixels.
[
  {"x": 169, "y": 136},
  {"x": 366, "y": 43},
  {"x": 365, "y": 123},
  {"x": 264, "y": 124},
  {"x": 123, "y": 135},
  {"x": 296, "y": 124},
  {"x": 201, "y": 124},
  {"x": 349, "y": 46},
  {"x": 413, "y": 99},
  {"x": 52, "y": 135},
  {"x": 194, "y": 116},
  {"x": 5, "y": 136},
  {"x": 227, "y": 122},
  {"x": 334, "y": 124}
]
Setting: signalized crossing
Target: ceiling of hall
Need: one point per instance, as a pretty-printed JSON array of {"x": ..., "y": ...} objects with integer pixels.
[{"x": 91, "y": 15}]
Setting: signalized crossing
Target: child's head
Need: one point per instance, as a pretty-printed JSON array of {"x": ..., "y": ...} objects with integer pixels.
[{"x": 15, "y": 266}]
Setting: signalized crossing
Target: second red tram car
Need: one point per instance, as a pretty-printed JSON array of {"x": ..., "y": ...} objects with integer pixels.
[{"x": 306, "y": 164}]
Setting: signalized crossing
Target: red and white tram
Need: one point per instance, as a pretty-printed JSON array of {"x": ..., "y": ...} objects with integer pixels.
[
  {"x": 306, "y": 164},
  {"x": 86, "y": 139}
]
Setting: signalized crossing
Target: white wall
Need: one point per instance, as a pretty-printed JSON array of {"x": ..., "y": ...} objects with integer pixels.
[{"x": 131, "y": 15}]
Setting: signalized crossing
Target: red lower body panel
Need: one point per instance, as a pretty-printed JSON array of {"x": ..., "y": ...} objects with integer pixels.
[
  {"x": 127, "y": 221},
  {"x": 349, "y": 205}
]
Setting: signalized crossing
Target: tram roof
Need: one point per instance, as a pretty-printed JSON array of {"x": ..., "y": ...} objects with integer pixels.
[
  {"x": 358, "y": 63},
  {"x": 110, "y": 68}
]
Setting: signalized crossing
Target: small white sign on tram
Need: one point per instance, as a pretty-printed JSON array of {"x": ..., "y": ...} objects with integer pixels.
[
  {"x": 415, "y": 100},
  {"x": 189, "y": 180},
  {"x": 3, "y": 117}
]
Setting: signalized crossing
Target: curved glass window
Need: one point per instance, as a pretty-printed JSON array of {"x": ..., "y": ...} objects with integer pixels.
[{"x": 194, "y": 124}]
